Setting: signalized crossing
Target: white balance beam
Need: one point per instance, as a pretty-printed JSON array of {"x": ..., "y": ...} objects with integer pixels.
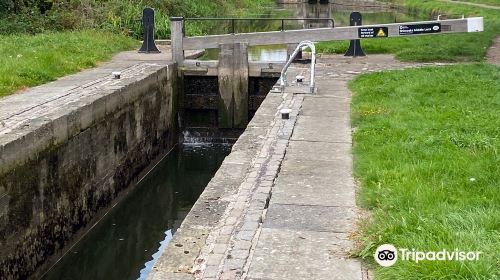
[{"x": 474, "y": 24}]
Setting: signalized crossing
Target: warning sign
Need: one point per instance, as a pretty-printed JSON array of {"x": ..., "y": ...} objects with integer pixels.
[
  {"x": 373, "y": 32},
  {"x": 381, "y": 33},
  {"x": 415, "y": 29}
]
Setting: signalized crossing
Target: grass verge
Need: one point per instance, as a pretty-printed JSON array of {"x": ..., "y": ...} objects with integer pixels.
[
  {"x": 30, "y": 60},
  {"x": 485, "y": 2},
  {"x": 448, "y": 47},
  {"x": 427, "y": 155}
]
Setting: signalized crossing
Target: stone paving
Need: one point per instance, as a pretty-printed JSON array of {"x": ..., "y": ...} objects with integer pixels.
[
  {"x": 18, "y": 109},
  {"x": 290, "y": 212}
]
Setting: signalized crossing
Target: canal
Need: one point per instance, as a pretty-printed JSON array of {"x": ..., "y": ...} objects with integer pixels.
[
  {"x": 129, "y": 238},
  {"x": 125, "y": 243}
]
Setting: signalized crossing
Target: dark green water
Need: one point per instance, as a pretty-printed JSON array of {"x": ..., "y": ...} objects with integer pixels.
[{"x": 126, "y": 242}]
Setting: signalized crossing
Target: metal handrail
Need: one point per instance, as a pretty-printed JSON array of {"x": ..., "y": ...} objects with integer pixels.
[
  {"x": 233, "y": 21},
  {"x": 283, "y": 80}
]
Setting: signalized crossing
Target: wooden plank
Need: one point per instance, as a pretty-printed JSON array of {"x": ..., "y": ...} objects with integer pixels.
[
  {"x": 324, "y": 34},
  {"x": 210, "y": 68},
  {"x": 226, "y": 78},
  {"x": 240, "y": 85},
  {"x": 177, "y": 33}
]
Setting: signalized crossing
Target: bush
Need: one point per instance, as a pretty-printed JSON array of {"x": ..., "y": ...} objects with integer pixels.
[{"x": 118, "y": 16}]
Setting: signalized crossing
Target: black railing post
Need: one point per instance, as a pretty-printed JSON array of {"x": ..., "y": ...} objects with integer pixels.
[
  {"x": 282, "y": 25},
  {"x": 232, "y": 26},
  {"x": 355, "y": 46},
  {"x": 148, "y": 21}
]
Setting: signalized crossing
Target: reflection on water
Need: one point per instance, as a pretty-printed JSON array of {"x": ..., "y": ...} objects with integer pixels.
[
  {"x": 373, "y": 13},
  {"x": 127, "y": 241},
  {"x": 255, "y": 53},
  {"x": 267, "y": 53}
]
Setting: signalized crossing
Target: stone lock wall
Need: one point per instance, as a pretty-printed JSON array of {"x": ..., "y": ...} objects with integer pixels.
[{"x": 61, "y": 170}]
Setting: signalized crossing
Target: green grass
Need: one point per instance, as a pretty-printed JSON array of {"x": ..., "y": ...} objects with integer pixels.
[
  {"x": 447, "y": 47},
  {"x": 28, "y": 61},
  {"x": 486, "y": 2},
  {"x": 426, "y": 153}
]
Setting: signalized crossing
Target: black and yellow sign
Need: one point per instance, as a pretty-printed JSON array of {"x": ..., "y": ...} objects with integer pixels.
[{"x": 373, "y": 32}]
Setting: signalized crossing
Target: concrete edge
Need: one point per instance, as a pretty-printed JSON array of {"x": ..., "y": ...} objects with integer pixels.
[{"x": 45, "y": 130}]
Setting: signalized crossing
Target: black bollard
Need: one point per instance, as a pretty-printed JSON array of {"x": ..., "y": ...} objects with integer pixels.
[
  {"x": 148, "y": 21},
  {"x": 355, "y": 45}
]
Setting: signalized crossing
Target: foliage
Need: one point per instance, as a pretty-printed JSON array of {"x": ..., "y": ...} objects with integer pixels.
[{"x": 118, "y": 16}]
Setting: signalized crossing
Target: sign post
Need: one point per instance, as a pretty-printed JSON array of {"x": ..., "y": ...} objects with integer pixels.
[
  {"x": 148, "y": 21},
  {"x": 355, "y": 46}
]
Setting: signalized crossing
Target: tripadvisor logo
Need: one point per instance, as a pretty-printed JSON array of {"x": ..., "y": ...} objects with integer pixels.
[{"x": 387, "y": 255}]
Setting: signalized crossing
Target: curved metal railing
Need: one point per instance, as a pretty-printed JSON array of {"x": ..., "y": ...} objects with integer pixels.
[{"x": 283, "y": 76}]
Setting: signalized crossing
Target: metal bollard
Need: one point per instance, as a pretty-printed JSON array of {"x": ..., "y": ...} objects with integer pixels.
[
  {"x": 355, "y": 46},
  {"x": 148, "y": 21}
]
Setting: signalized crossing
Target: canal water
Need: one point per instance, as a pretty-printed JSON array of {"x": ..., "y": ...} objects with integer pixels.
[
  {"x": 130, "y": 237},
  {"x": 126, "y": 242},
  {"x": 338, "y": 10}
]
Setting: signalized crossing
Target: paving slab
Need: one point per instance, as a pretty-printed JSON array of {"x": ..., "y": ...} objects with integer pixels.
[
  {"x": 314, "y": 190},
  {"x": 323, "y": 129},
  {"x": 310, "y": 218},
  {"x": 334, "y": 169},
  {"x": 325, "y": 106},
  {"x": 324, "y": 151},
  {"x": 171, "y": 275},
  {"x": 293, "y": 255}
]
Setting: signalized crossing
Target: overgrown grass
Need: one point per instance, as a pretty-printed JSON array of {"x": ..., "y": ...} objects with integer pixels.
[
  {"x": 28, "y": 60},
  {"x": 122, "y": 16},
  {"x": 446, "y": 47},
  {"x": 426, "y": 153},
  {"x": 486, "y": 2}
]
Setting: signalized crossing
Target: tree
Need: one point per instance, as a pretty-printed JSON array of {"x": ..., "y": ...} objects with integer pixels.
[{"x": 17, "y": 6}]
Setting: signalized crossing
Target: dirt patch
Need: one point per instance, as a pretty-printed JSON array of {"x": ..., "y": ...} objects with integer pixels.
[{"x": 493, "y": 55}]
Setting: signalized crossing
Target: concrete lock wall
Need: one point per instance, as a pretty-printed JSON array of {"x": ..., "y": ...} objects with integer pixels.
[{"x": 58, "y": 175}]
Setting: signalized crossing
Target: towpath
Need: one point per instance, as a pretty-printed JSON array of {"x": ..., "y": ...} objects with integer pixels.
[{"x": 283, "y": 203}]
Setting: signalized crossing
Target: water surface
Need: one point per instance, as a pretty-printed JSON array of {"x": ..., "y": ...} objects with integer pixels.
[{"x": 126, "y": 242}]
